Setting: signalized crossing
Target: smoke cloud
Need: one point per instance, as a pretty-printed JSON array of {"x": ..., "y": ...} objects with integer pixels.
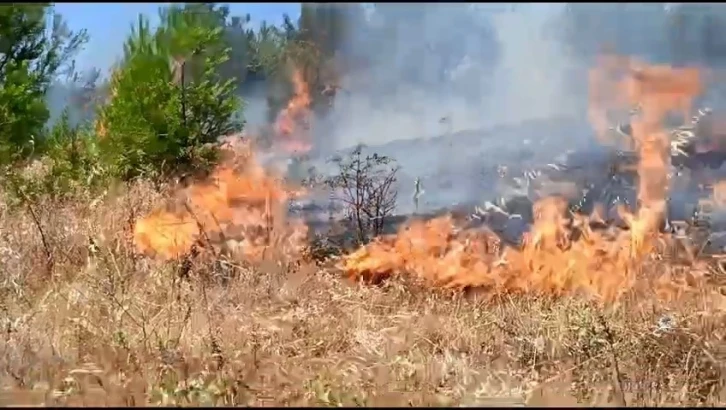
[
  {"x": 480, "y": 66},
  {"x": 450, "y": 68},
  {"x": 497, "y": 84}
]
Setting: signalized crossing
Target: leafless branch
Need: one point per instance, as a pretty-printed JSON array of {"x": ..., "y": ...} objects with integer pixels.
[{"x": 368, "y": 192}]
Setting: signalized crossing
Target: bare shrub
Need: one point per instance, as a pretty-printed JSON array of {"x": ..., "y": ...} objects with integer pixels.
[{"x": 365, "y": 185}]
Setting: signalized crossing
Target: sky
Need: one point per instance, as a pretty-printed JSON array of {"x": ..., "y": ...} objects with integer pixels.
[{"x": 108, "y": 24}]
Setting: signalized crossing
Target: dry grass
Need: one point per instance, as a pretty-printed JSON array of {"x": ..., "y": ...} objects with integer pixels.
[{"x": 105, "y": 327}]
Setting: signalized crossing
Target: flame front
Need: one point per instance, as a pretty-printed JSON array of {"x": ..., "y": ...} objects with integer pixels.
[
  {"x": 292, "y": 125},
  {"x": 240, "y": 203},
  {"x": 562, "y": 253}
]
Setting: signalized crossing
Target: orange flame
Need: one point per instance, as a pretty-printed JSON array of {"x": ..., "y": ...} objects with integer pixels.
[
  {"x": 719, "y": 193},
  {"x": 562, "y": 254},
  {"x": 240, "y": 203},
  {"x": 293, "y": 123}
]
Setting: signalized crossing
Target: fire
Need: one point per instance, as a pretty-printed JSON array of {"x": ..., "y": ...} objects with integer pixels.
[
  {"x": 719, "y": 193},
  {"x": 241, "y": 203},
  {"x": 552, "y": 261},
  {"x": 562, "y": 253},
  {"x": 238, "y": 206},
  {"x": 293, "y": 123}
]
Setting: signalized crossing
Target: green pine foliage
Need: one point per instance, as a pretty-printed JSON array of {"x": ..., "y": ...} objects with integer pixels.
[{"x": 167, "y": 100}]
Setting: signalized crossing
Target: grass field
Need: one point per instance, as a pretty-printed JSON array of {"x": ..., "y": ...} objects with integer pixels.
[{"x": 104, "y": 326}]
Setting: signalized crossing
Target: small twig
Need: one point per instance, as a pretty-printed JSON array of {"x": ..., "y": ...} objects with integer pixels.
[
  {"x": 216, "y": 349},
  {"x": 617, "y": 379},
  {"x": 202, "y": 231},
  {"x": 43, "y": 238}
]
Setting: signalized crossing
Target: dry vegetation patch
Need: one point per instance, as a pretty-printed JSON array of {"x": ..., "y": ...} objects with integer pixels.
[{"x": 108, "y": 327}]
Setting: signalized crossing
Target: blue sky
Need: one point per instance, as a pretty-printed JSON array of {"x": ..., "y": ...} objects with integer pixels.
[{"x": 108, "y": 24}]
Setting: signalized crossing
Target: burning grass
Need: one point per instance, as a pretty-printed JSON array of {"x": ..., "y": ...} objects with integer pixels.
[
  {"x": 562, "y": 254},
  {"x": 239, "y": 207},
  {"x": 111, "y": 328},
  {"x": 230, "y": 312}
]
